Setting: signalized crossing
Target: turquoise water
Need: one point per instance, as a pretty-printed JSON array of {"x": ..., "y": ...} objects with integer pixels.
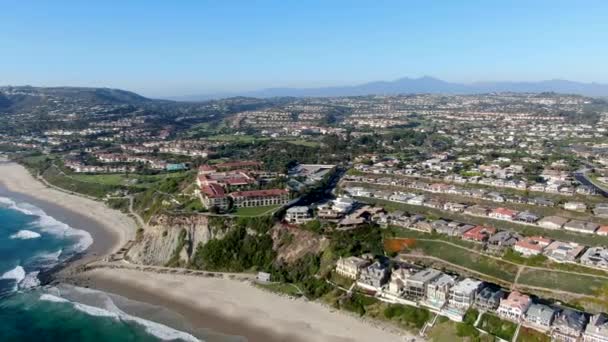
[{"x": 31, "y": 242}]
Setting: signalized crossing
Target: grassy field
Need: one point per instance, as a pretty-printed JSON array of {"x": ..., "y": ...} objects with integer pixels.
[
  {"x": 281, "y": 288},
  {"x": 447, "y": 331},
  {"x": 464, "y": 258},
  {"x": 497, "y": 327},
  {"x": 255, "y": 211},
  {"x": 562, "y": 235},
  {"x": 235, "y": 138},
  {"x": 531, "y": 335},
  {"x": 588, "y": 285},
  {"x": 53, "y": 176},
  {"x": 136, "y": 180}
]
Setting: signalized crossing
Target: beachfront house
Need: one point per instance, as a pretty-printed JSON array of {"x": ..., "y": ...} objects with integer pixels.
[
  {"x": 540, "y": 316},
  {"x": 462, "y": 295},
  {"x": 568, "y": 325},
  {"x": 514, "y": 306},
  {"x": 416, "y": 284},
  {"x": 351, "y": 267},
  {"x": 597, "y": 329},
  {"x": 488, "y": 299}
]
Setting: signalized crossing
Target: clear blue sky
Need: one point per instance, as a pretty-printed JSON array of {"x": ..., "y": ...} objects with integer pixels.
[{"x": 164, "y": 48}]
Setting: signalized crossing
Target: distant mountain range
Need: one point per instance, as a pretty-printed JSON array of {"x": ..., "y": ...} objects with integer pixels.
[{"x": 426, "y": 85}]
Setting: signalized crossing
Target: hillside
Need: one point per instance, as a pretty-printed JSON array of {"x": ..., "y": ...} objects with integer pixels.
[{"x": 26, "y": 98}]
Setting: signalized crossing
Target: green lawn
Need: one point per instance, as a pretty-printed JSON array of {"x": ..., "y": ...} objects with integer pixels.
[
  {"x": 464, "y": 258},
  {"x": 589, "y": 285},
  {"x": 531, "y": 335},
  {"x": 255, "y": 211},
  {"x": 497, "y": 327},
  {"x": 281, "y": 288},
  {"x": 122, "y": 179},
  {"x": 236, "y": 138}
]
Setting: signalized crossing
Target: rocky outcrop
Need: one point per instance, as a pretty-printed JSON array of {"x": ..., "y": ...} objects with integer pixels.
[{"x": 172, "y": 239}]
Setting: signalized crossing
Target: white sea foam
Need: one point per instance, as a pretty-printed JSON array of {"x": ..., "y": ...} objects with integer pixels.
[
  {"x": 30, "y": 281},
  {"x": 52, "y": 298},
  {"x": 25, "y": 235},
  {"x": 110, "y": 310},
  {"x": 17, "y": 274},
  {"x": 50, "y": 225},
  {"x": 46, "y": 259}
]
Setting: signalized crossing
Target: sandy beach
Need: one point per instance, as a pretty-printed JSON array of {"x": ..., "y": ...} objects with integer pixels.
[
  {"x": 216, "y": 306},
  {"x": 238, "y": 308},
  {"x": 109, "y": 228}
]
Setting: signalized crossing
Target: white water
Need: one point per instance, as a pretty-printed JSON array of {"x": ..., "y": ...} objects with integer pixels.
[
  {"x": 25, "y": 235},
  {"x": 110, "y": 310},
  {"x": 17, "y": 274},
  {"x": 50, "y": 225}
]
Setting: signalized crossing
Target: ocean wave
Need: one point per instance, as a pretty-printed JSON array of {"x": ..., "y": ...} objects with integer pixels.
[
  {"x": 17, "y": 274},
  {"x": 110, "y": 310},
  {"x": 45, "y": 260},
  {"x": 25, "y": 235},
  {"x": 52, "y": 298},
  {"x": 30, "y": 281},
  {"x": 50, "y": 225}
]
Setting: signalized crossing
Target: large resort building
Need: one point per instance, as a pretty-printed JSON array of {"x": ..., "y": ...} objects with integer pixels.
[{"x": 216, "y": 181}]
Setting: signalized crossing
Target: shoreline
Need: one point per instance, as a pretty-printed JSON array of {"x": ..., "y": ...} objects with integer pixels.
[
  {"x": 216, "y": 308},
  {"x": 238, "y": 308},
  {"x": 110, "y": 229}
]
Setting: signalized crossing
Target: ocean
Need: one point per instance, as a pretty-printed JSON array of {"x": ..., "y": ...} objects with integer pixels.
[{"x": 32, "y": 242}]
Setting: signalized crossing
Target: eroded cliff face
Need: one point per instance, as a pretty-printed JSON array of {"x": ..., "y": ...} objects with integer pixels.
[{"x": 172, "y": 239}]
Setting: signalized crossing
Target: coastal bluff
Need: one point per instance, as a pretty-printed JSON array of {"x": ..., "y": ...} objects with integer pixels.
[{"x": 172, "y": 240}]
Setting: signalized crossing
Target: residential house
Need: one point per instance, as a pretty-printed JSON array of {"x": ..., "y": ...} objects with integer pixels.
[
  {"x": 530, "y": 246},
  {"x": 602, "y": 230},
  {"x": 416, "y": 284},
  {"x": 397, "y": 283},
  {"x": 597, "y": 329},
  {"x": 540, "y": 316},
  {"x": 462, "y": 295},
  {"x": 454, "y": 207},
  {"x": 438, "y": 290},
  {"x": 575, "y": 206},
  {"x": 595, "y": 257},
  {"x": 568, "y": 325},
  {"x": 476, "y": 210},
  {"x": 581, "y": 226},
  {"x": 601, "y": 210},
  {"x": 479, "y": 233},
  {"x": 489, "y": 298},
  {"x": 563, "y": 251},
  {"x": 503, "y": 239},
  {"x": 503, "y": 214},
  {"x": 552, "y": 222},
  {"x": 373, "y": 276},
  {"x": 351, "y": 267},
  {"x": 514, "y": 306},
  {"x": 527, "y": 217},
  {"x": 298, "y": 215}
]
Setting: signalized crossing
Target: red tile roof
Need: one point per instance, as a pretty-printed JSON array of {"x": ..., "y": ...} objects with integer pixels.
[
  {"x": 479, "y": 233},
  {"x": 602, "y": 230},
  {"x": 505, "y": 212},
  {"x": 213, "y": 190}
]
